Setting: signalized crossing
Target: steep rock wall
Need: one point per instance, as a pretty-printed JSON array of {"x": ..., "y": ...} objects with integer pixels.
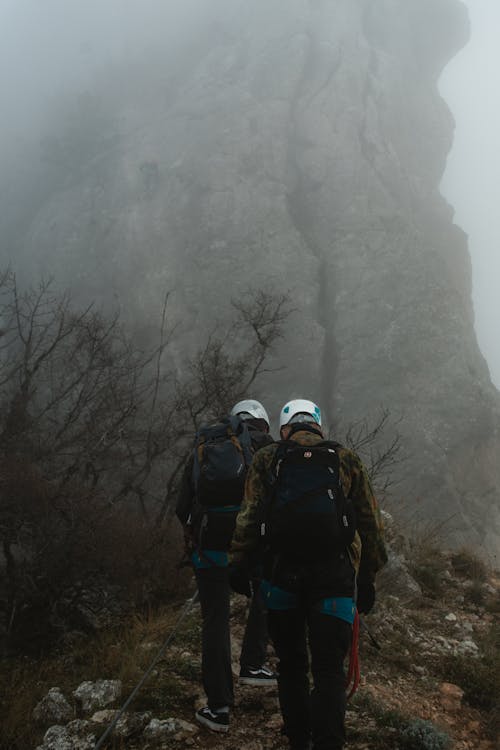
[{"x": 301, "y": 144}]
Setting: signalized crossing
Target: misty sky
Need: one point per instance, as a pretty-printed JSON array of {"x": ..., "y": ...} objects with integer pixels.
[
  {"x": 47, "y": 46},
  {"x": 52, "y": 47},
  {"x": 471, "y": 86}
]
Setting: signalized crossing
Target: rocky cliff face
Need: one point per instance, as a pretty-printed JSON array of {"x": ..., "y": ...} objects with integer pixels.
[{"x": 300, "y": 144}]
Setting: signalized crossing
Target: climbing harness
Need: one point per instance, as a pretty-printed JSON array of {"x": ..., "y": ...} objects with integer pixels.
[
  {"x": 185, "y": 610},
  {"x": 353, "y": 672}
]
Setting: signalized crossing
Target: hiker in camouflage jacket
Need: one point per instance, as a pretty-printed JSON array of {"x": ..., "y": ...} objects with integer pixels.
[
  {"x": 319, "y": 594},
  {"x": 367, "y": 552}
]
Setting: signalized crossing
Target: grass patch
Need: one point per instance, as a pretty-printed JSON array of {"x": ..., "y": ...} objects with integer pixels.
[
  {"x": 479, "y": 678},
  {"x": 383, "y": 717},
  {"x": 492, "y": 603},
  {"x": 427, "y": 567},
  {"x": 475, "y": 594},
  {"x": 468, "y": 565},
  {"x": 188, "y": 669},
  {"x": 122, "y": 653},
  {"x": 21, "y": 687},
  {"x": 392, "y": 730},
  {"x": 375, "y": 724},
  {"x": 188, "y": 635}
]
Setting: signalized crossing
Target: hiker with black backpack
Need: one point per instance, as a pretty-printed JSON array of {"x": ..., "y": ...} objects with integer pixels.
[
  {"x": 309, "y": 504},
  {"x": 209, "y": 500}
]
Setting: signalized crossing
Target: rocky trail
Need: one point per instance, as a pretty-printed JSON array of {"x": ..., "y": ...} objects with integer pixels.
[{"x": 433, "y": 684}]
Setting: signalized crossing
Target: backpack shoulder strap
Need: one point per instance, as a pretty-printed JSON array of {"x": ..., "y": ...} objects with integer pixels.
[
  {"x": 281, "y": 451},
  {"x": 331, "y": 444},
  {"x": 271, "y": 481},
  {"x": 239, "y": 429}
]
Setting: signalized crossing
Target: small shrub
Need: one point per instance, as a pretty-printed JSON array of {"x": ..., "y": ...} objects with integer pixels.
[
  {"x": 479, "y": 678},
  {"x": 493, "y": 723},
  {"x": 189, "y": 635},
  {"x": 475, "y": 594},
  {"x": 423, "y": 735},
  {"x": 383, "y": 716},
  {"x": 189, "y": 669},
  {"x": 427, "y": 567},
  {"x": 429, "y": 578},
  {"x": 468, "y": 565},
  {"x": 375, "y": 723},
  {"x": 493, "y": 603}
]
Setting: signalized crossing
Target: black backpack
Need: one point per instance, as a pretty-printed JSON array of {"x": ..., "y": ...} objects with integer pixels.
[
  {"x": 222, "y": 455},
  {"x": 308, "y": 517}
]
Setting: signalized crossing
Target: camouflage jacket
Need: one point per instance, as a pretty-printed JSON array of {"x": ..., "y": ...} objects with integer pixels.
[{"x": 367, "y": 552}]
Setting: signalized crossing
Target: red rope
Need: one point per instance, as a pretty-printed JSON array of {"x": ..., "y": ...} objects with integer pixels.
[{"x": 354, "y": 672}]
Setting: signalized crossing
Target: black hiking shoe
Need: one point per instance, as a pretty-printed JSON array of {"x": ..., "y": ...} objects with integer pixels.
[
  {"x": 216, "y": 721},
  {"x": 257, "y": 676}
]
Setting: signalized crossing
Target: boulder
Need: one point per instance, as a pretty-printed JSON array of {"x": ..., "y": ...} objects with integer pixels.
[
  {"x": 170, "y": 726},
  {"x": 53, "y": 708},
  {"x": 77, "y": 735},
  {"x": 394, "y": 579},
  {"x": 92, "y": 696}
]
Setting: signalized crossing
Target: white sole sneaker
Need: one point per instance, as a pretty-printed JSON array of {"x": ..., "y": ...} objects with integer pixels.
[
  {"x": 256, "y": 681},
  {"x": 211, "y": 720}
]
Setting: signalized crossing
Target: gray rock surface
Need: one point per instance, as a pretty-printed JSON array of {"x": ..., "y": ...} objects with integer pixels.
[
  {"x": 301, "y": 144},
  {"x": 395, "y": 578},
  {"x": 160, "y": 727},
  {"x": 53, "y": 708},
  {"x": 76, "y": 735},
  {"x": 131, "y": 724},
  {"x": 92, "y": 696}
]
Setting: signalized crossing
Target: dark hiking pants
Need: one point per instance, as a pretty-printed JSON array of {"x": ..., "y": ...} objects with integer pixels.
[
  {"x": 213, "y": 590},
  {"x": 254, "y": 646},
  {"x": 319, "y": 713}
]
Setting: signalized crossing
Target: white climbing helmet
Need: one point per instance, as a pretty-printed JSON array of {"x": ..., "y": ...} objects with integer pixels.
[
  {"x": 251, "y": 410},
  {"x": 300, "y": 406}
]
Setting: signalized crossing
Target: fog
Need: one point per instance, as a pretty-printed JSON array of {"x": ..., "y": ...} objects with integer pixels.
[
  {"x": 206, "y": 146},
  {"x": 470, "y": 85},
  {"x": 52, "y": 50},
  {"x": 58, "y": 46}
]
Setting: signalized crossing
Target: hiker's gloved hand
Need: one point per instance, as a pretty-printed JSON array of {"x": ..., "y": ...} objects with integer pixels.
[
  {"x": 366, "y": 597},
  {"x": 239, "y": 580}
]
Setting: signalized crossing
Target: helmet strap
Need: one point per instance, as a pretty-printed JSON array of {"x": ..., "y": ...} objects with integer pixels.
[{"x": 303, "y": 427}]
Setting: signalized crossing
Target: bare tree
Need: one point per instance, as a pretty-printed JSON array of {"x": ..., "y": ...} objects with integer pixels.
[
  {"x": 225, "y": 369},
  {"x": 379, "y": 445},
  {"x": 92, "y": 427},
  {"x": 78, "y": 398},
  {"x": 81, "y": 427}
]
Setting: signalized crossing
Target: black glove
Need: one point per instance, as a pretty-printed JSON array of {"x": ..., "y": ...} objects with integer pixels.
[
  {"x": 366, "y": 597},
  {"x": 239, "y": 580}
]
